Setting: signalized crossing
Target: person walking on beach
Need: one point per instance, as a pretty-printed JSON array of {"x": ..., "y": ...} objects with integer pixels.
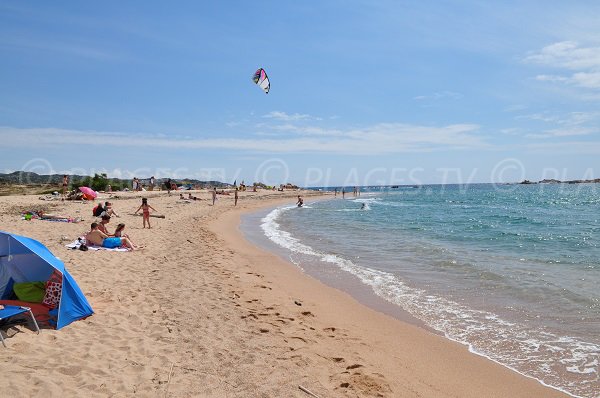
[
  {"x": 214, "y": 195},
  {"x": 145, "y": 207},
  {"x": 152, "y": 181},
  {"x": 235, "y": 198},
  {"x": 343, "y": 193},
  {"x": 65, "y": 184}
]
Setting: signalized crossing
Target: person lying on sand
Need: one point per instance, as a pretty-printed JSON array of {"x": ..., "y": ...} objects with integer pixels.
[
  {"x": 74, "y": 195},
  {"x": 98, "y": 238},
  {"x": 47, "y": 216}
]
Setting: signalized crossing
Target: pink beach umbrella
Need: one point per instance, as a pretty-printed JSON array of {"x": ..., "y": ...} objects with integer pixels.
[{"x": 89, "y": 192}]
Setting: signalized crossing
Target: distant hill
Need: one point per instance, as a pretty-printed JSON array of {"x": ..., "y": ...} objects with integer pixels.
[{"x": 30, "y": 178}]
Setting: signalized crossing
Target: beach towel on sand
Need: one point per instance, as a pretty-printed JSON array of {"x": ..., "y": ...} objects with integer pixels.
[{"x": 77, "y": 243}]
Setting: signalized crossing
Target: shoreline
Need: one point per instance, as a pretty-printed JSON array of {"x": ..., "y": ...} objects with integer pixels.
[
  {"x": 203, "y": 311},
  {"x": 293, "y": 276},
  {"x": 337, "y": 278}
]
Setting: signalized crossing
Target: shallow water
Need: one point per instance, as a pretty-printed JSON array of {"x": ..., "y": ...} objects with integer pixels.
[{"x": 512, "y": 271}]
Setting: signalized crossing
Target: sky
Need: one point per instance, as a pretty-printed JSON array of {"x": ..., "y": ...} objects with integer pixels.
[{"x": 362, "y": 92}]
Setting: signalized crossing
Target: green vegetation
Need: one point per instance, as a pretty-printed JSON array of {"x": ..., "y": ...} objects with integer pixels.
[{"x": 99, "y": 182}]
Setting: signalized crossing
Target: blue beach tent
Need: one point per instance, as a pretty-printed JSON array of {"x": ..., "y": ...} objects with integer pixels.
[{"x": 24, "y": 259}]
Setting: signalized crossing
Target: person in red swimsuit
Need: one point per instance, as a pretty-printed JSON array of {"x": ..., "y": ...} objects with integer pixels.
[{"x": 145, "y": 207}]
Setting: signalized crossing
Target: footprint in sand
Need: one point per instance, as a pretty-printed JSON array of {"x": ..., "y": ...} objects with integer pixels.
[{"x": 355, "y": 366}]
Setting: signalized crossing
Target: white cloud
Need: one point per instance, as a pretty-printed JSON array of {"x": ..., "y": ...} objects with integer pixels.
[
  {"x": 83, "y": 49},
  {"x": 564, "y": 125},
  {"x": 568, "y": 119},
  {"x": 568, "y": 55},
  {"x": 564, "y": 132},
  {"x": 551, "y": 78},
  {"x": 582, "y": 62},
  {"x": 571, "y": 147},
  {"x": 282, "y": 116},
  {"x": 587, "y": 79},
  {"x": 377, "y": 139},
  {"x": 542, "y": 117},
  {"x": 439, "y": 96}
]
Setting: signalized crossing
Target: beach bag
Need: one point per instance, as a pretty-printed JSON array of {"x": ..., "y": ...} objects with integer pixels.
[
  {"x": 32, "y": 292},
  {"x": 53, "y": 290}
]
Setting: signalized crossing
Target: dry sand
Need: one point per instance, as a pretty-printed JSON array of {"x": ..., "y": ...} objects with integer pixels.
[{"x": 202, "y": 313}]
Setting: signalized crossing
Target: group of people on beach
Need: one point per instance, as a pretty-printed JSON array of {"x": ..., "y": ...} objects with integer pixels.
[
  {"x": 99, "y": 234},
  {"x": 136, "y": 184},
  {"x": 214, "y": 194}
]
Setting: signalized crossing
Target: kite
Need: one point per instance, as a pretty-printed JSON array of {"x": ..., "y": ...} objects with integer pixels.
[{"x": 260, "y": 77}]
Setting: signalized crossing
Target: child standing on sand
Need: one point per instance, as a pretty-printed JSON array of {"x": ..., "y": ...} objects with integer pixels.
[{"x": 145, "y": 207}]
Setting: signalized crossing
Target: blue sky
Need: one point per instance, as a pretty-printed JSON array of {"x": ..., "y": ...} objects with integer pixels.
[{"x": 362, "y": 92}]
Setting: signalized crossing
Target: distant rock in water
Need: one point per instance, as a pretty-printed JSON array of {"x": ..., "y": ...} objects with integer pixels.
[{"x": 554, "y": 181}]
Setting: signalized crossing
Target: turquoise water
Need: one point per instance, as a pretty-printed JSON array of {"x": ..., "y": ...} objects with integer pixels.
[{"x": 513, "y": 271}]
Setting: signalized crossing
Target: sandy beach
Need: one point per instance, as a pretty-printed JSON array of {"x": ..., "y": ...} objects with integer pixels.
[{"x": 200, "y": 312}]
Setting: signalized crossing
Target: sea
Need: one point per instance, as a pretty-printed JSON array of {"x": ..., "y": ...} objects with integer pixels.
[{"x": 511, "y": 271}]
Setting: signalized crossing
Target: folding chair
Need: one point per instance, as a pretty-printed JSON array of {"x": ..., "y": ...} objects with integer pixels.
[{"x": 12, "y": 310}]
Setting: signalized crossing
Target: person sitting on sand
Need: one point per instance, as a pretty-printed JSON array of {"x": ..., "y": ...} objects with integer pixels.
[
  {"x": 192, "y": 197},
  {"x": 119, "y": 232},
  {"x": 109, "y": 210},
  {"x": 99, "y": 210},
  {"x": 74, "y": 195},
  {"x": 103, "y": 224},
  {"x": 98, "y": 238}
]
